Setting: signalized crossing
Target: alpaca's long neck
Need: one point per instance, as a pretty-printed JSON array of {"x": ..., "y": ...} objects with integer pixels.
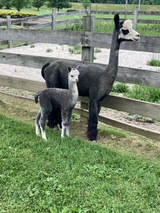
[
  {"x": 113, "y": 58},
  {"x": 73, "y": 92}
]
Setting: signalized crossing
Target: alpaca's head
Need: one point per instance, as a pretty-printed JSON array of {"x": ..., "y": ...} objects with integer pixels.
[
  {"x": 73, "y": 74},
  {"x": 125, "y": 30}
]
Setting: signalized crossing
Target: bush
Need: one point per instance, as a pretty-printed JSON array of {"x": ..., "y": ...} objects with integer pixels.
[
  {"x": 144, "y": 93},
  {"x": 154, "y": 62},
  {"x": 120, "y": 88},
  {"x": 15, "y": 14}
]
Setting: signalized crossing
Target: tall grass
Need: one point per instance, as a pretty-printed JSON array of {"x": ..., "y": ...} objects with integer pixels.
[
  {"x": 71, "y": 175},
  {"x": 144, "y": 93}
]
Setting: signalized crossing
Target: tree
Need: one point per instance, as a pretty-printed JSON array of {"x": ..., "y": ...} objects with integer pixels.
[
  {"x": 19, "y": 4},
  {"x": 38, "y": 3},
  {"x": 86, "y": 3},
  {"x": 59, "y": 4},
  {"x": 6, "y": 4}
]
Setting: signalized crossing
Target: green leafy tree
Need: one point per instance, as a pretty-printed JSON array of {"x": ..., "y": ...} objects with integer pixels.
[
  {"x": 86, "y": 3},
  {"x": 19, "y": 4},
  {"x": 38, "y": 3},
  {"x": 59, "y": 4},
  {"x": 6, "y": 3}
]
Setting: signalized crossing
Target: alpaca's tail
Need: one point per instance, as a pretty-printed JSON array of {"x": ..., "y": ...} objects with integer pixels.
[
  {"x": 43, "y": 68},
  {"x": 36, "y": 96}
]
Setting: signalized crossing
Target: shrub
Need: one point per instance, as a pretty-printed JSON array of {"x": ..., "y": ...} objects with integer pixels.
[
  {"x": 120, "y": 87},
  {"x": 145, "y": 93},
  {"x": 75, "y": 49},
  {"x": 154, "y": 62},
  {"x": 15, "y": 14}
]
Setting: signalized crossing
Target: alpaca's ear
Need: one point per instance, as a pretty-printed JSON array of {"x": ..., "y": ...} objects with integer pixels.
[
  {"x": 69, "y": 69},
  {"x": 116, "y": 21}
]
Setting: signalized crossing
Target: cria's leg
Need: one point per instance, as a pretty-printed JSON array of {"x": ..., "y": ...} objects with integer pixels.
[
  {"x": 44, "y": 114},
  {"x": 66, "y": 120},
  {"x": 63, "y": 130},
  {"x": 68, "y": 123},
  {"x": 37, "y": 123}
]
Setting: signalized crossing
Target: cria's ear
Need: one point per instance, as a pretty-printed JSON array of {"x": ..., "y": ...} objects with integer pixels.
[
  {"x": 116, "y": 21},
  {"x": 69, "y": 69}
]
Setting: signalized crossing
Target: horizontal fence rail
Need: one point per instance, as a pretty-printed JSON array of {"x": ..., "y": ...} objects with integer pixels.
[
  {"x": 125, "y": 74},
  {"x": 113, "y": 102},
  {"x": 101, "y": 40}
]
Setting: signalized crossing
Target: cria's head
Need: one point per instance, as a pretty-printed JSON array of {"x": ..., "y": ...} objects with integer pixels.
[{"x": 73, "y": 74}]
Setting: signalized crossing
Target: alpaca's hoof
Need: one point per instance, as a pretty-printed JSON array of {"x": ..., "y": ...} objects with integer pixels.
[{"x": 94, "y": 141}]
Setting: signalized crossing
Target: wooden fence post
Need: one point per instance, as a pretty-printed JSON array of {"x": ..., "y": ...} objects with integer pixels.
[
  {"x": 87, "y": 51},
  {"x": 136, "y": 11},
  {"x": 8, "y": 27},
  {"x": 88, "y": 26},
  {"x": 53, "y": 23}
]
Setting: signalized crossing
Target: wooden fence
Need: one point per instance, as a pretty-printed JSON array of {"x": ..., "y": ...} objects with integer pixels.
[{"x": 88, "y": 39}]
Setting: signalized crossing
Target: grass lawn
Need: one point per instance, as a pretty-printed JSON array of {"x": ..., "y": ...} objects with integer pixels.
[{"x": 71, "y": 175}]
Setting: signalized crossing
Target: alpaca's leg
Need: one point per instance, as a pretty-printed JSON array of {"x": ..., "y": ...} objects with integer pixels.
[
  {"x": 68, "y": 123},
  {"x": 54, "y": 118},
  {"x": 44, "y": 114},
  {"x": 65, "y": 123},
  {"x": 63, "y": 130},
  {"x": 92, "y": 120},
  {"x": 37, "y": 123}
]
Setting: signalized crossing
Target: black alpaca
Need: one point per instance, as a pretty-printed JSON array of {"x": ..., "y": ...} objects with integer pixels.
[{"x": 94, "y": 81}]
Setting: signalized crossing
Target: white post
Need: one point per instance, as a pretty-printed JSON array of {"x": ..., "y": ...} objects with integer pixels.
[
  {"x": 126, "y": 9},
  {"x": 135, "y": 18},
  {"x": 53, "y": 23},
  {"x": 8, "y": 27}
]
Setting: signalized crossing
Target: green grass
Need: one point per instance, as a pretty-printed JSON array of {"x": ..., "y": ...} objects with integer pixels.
[
  {"x": 154, "y": 62},
  {"x": 71, "y": 175},
  {"x": 144, "y": 93},
  {"x": 117, "y": 7}
]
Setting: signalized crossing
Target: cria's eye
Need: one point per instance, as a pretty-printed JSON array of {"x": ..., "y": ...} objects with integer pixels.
[
  {"x": 72, "y": 76},
  {"x": 125, "y": 32}
]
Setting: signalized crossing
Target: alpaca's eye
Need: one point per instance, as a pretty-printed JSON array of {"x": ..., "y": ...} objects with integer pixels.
[
  {"x": 72, "y": 76},
  {"x": 125, "y": 32}
]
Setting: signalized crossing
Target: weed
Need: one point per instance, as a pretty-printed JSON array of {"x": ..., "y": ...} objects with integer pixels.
[
  {"x": 75, "y": 49},
  {"x": 154, "y": 62},
  {"x": 120, "y": 87},
  {"x": 144, "y": 93},
  {"x": 32, "y": 46},
  {"x": 49, "y": 50}
]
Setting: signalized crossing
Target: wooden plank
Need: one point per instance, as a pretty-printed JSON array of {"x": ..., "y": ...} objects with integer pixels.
[
  {"x": 19, "y": 83},
  {"x": 56, "y": 37},
  {"x": 129, "y": 75},
  {"x": 139, "y": 20},
  {"x": 102, "y": 40},
  {"x": 143, "y": 108},
  {"x": 133, "y": 106},
  {"x": 123, "y": 12},
  {"x": 138, "y": 76},
  {"x": 121, "y": 125},
  {"x": 118, "y": 103}
]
